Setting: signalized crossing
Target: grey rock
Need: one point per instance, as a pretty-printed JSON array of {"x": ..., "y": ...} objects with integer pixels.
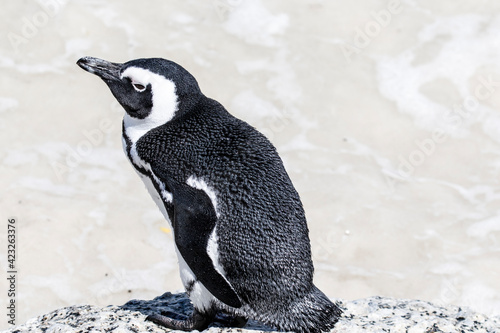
[{"x": 373, "y": 314}]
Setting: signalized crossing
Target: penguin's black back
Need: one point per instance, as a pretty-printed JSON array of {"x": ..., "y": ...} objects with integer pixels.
[{"x": 263, "y": 243}]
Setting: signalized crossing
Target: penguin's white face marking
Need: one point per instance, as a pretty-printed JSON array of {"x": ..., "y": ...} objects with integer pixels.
[
  {"x": 200, "y": 184},
  {"x": 164, "y": 101},
  {"x": 164, "y": 105}
]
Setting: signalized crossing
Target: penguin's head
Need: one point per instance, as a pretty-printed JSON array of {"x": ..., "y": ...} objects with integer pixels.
[{"x": 153, "y": 90}]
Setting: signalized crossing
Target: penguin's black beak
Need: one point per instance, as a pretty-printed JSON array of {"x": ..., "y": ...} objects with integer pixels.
[{"x": 104, "y": 69}]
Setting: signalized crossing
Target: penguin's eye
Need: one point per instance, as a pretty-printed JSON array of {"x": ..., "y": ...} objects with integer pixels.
[{"x": 139, "y": 87}]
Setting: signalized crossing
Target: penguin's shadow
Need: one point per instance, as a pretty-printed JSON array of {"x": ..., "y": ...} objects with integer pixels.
[{"x": 178, "y": 306}]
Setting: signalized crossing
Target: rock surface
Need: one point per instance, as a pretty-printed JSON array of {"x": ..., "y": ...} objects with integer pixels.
[{"x": 374, "y": 314}]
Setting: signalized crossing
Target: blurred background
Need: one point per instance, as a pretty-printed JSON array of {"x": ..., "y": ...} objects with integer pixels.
[{"x": 386, "y": 114}]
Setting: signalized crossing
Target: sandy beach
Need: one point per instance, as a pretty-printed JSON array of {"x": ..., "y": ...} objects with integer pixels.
[{"x": 385, "y": 113}]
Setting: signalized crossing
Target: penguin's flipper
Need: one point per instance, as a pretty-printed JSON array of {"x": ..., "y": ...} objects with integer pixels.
[{"x": 193, "y": 223}]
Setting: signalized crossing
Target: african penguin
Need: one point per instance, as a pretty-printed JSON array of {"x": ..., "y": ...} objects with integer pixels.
[{"x": 238, "y": 223}]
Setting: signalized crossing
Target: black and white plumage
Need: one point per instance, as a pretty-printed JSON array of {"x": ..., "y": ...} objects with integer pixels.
[{"x": 238, "y": 223}]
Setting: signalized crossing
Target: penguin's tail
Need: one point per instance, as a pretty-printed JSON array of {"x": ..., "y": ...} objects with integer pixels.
[{"x": 313, "y": 313}]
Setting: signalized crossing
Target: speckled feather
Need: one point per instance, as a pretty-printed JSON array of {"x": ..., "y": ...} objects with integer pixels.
[
  {"x": 263, "y": 240},
  {"x": 263, "y": 243}
]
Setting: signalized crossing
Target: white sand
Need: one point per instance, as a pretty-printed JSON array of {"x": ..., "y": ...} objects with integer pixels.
[{"x": 401, "y": 187}]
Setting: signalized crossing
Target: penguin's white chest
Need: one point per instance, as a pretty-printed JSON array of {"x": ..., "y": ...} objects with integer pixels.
[
  {"x": 157, "y": 189},
  {"x": 198, "y": 293},
  {"x": 159, "y": 197}
]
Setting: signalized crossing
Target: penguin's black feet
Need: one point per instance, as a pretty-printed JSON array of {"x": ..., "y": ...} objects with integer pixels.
[
  {"x": 197, "y": 321},
  {"x": 226, "y": 320},
  {"x": 239, "y": 322}
]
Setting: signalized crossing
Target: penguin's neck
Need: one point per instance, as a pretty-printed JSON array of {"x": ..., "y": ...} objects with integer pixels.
[{"x": 132, "y": 130}]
